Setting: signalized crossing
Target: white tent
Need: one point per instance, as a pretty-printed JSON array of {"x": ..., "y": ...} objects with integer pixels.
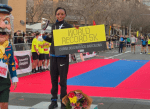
[{"x": 37, "y": 27}]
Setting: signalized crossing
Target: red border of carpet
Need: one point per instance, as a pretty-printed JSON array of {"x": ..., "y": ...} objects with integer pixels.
[{"x": 136, "y": 86}]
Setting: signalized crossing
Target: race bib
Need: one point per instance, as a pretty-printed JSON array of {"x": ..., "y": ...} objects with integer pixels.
[
  {"x": 3, "y": 69},
  {"x": 46, "y": 49}
]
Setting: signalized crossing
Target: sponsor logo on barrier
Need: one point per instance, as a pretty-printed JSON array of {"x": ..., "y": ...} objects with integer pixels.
[
  {"x": 23, "y": 61},
  {"x": 81, "y": 50}
]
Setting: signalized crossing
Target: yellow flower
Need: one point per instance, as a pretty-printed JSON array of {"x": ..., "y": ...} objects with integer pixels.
[
  {"x": 73, "y": 100},
  {"x": 13, "y": 69}
]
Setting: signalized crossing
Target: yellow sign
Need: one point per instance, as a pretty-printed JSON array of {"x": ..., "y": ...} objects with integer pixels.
[
  {"x": 72, "y": 36},
  {"x": 137, "y": 34},
  {"x": 109, "y": 30}
]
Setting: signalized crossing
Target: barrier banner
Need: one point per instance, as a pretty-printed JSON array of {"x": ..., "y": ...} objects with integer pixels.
[
  {"x": 85, "y": 55},
  {"x": 24, "y": 61},
  {"x": 89, "y": 55},
  {"x": 84, "y": 39}
]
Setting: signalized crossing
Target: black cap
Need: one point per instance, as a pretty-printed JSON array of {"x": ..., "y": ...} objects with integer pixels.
[{"x": 5, "y": 8}]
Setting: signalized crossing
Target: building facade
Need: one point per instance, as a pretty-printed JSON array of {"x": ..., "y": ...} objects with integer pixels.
[
  {"x": 19, "y": 13},
  {"x": 146, "y": 2}
]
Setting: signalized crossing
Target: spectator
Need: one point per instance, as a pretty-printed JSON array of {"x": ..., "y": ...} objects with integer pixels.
[
  {"x": 124, "y": 43},
  {"x": 121, "y": 43},
  {"x": 144, "y": 43},
  {"x": 141, "y": 44},
  {"x": 15, "y": 38},
  {"x": 109, "y": 42},
  {"x": 128, "y": 41},
  {"x": 148, "y": 45}
]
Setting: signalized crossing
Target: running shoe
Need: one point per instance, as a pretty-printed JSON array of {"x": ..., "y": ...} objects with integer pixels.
[{"x": 53, "y": 105}]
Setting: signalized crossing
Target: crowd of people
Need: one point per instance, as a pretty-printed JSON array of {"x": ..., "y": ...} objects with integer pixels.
[
  {"x": 40, "y": 54},
  {"x": 22, "y": 37},
  {"x": 126, "y": 41},
  {"x": 145, "y": 41}
]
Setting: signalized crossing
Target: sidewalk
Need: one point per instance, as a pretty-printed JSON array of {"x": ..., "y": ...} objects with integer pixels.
[
  {"x": 41, "y": 101},
  {"x": 120, "y": 103}
]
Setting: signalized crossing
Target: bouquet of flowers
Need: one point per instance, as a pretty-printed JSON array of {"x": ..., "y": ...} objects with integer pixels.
[{"x": 77, "y": 100}]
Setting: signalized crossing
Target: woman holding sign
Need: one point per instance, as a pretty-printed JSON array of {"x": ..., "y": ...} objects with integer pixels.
[{"x": 58, "y": 64}]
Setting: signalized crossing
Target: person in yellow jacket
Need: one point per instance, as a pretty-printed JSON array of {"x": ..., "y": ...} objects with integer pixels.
[
  {"x": 46, "y": 47},
  {"x": 41, "y": 56},
  {"x": 35, "y": 53},
  {"x": 148, "y": 45}
]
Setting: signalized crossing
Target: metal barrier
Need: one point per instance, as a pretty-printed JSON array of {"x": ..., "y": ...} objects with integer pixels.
[
  {"x": 21, "y": 43},
  {"x": 116, "y": 44},
  {"x": 112, "y": 44},
  {"x": 22, "y": 46}
]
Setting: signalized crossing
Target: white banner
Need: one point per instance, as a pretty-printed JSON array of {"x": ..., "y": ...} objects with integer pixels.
[{"x": 24, "y": 61}]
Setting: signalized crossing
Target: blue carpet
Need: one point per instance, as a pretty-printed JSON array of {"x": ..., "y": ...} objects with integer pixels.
[{"x": 110, "y": 75}]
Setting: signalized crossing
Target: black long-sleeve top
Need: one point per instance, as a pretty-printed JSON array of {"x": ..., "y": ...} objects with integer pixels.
[{"x": 57, "y": 25}]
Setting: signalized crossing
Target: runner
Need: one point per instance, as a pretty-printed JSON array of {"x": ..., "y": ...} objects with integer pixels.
[
  {"x": 133, "y": 40},
  {"x": 58, "y": 64},
  {"x": 144, "y": 43}
]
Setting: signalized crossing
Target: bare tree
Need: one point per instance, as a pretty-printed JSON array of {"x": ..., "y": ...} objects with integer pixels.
[
  {"x": 108, "y": 12},
  {"x": 36, "y": 9}
]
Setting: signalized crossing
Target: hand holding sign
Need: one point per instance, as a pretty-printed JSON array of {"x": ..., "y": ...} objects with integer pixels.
[{"x": 76, "y": 26}]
